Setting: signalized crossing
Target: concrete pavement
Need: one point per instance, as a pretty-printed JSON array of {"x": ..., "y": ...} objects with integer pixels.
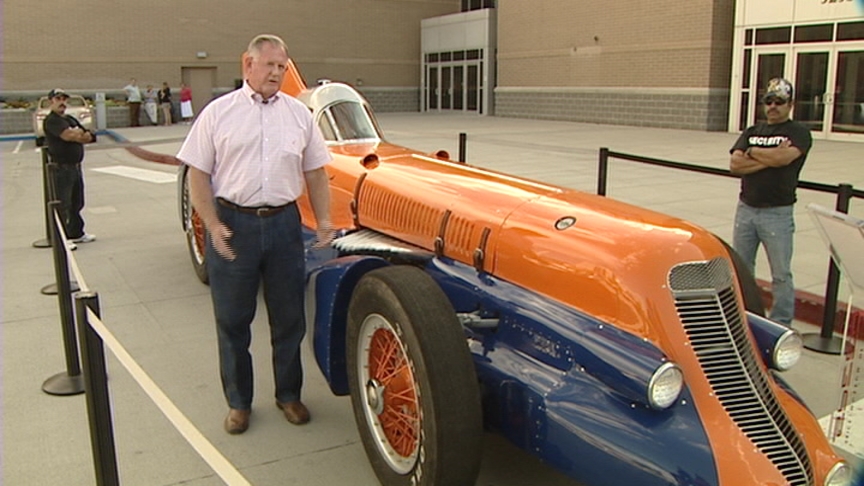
[{"x": 153, "y": 303}]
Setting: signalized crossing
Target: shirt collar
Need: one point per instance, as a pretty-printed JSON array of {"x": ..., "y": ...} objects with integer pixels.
[{"x": 254, "y": 97}]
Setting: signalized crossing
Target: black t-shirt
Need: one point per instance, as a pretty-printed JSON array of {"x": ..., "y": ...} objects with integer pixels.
[
  {"x": 62, "y": 152},
  {"x": 774, "y": 186},
  {"x": 165, "y": 95}
]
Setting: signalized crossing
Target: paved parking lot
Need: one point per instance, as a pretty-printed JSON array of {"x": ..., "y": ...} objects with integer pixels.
[{"x": 154, "y": 305}]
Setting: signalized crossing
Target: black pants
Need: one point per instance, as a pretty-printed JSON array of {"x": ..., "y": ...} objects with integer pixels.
[{"x": 69, "y": 189}]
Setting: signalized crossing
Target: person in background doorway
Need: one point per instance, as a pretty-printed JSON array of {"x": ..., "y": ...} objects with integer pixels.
[
  {"x": 150, "y": 105},
  {"x": 65, "y": 138},
  {"x": 769, "y": 156},
  {"x": 251, "y": 154},
  {"x": 186, "y": 112},
  {"x": 133, "y": 100},
  {"x": 165, "y": 103}
]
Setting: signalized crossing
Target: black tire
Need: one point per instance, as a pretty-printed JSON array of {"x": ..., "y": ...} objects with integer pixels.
[
  {"x": 195, "y": 235},
  {"x": 40, "y": 141},
  {"x": 407, "y": 357},
  {"x": 749, "y": 288}
]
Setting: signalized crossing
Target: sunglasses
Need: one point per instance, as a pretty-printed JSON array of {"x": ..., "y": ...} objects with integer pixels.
[{"x": 775, "y": 101}]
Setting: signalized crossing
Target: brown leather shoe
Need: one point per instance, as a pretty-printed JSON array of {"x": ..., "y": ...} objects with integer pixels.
[
  {"x": 295, "y": 412},
  {"x": 237, "y": 421}
]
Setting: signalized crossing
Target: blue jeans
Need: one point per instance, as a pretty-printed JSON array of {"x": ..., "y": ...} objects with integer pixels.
[
  {"x": 774, "y": 228},
  {"x": 69, "y": 190},
  {"x": 270, "y": 251}
]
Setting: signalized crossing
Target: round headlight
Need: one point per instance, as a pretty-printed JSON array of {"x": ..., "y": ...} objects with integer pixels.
[
  {"x": 840, "y": 475},
  {"x": 787, "y": 350},
  {"x": 665, "y": 386}
]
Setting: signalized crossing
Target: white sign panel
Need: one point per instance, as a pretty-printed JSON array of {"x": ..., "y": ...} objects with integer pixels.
[
  {"x": 760, "y": 12},
  {"x": 818, "y": 10}
]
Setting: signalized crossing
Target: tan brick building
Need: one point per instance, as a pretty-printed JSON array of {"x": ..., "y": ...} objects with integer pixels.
[
  {"x": 662, "y": 64},
  {"x": 100, "y": 45}
]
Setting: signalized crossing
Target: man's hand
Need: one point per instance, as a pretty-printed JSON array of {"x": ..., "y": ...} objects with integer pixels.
[
  {"x": 219, "y": 237},
  {"x": 324, "y": 236}
]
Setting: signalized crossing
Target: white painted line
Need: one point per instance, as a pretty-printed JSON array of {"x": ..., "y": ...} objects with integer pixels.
[
  {"x": 145, "y": 175},
  {"x": 852, "y": 435},
  {"x": 18, "y": 147}
]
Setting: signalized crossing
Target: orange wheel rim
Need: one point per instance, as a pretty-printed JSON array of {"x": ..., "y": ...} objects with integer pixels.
[
  {"x": 389, "y": 367},
  {"x": 198, "y": 234},
  {"x": 390, "y": 394}
]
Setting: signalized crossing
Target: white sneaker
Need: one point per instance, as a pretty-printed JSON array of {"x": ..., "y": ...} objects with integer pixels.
[
  {"x": 86, "y": 238},
  {"x": 71, "y": 246}
]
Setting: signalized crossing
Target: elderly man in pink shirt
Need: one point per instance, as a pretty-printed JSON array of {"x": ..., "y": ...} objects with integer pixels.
[{"x": 250, "y": 154}]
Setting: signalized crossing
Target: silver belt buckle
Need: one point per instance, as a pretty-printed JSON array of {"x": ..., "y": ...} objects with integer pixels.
[{"x": 261, "y": 212}]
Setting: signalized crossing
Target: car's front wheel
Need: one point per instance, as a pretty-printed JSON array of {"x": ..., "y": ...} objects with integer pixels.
[{"x": 413, "y": 386}]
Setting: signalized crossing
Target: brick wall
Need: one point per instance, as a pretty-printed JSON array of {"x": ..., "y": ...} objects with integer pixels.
[
  {"x": 660, "y": 64},
  {"x": 103, "y": 43},
  {"x": 628, "y": 43}
]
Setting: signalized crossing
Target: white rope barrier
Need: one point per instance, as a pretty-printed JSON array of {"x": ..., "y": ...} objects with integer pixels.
[
  {"x": 193, "y": 436},
  {"x": 220, "y": 465},
  {"x": 73, "y": 263}
]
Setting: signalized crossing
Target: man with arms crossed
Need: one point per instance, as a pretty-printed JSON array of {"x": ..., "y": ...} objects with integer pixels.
[
  {"x": 65, "y": 138},
  {"x": 768, "y": 156},
  {"x": 250, "y": 153}
]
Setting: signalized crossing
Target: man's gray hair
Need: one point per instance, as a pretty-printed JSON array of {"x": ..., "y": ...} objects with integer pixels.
[{"x": 255, "y": 46}]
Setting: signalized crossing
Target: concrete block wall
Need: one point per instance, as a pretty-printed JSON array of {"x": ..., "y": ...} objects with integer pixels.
[
  {"x": 684, "y": 109},
  {"x": 388, "y": 100},
  {"x": 20, "y": 122},
  {"x": 397, "y": 99}
]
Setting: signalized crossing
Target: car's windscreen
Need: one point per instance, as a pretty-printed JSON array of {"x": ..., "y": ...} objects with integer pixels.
[
  {"x": 348, "y": 121},
  {"x": 74, "y": 102}
]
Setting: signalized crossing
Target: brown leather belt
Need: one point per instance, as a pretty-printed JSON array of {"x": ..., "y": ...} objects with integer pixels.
[{"x": 260, "y": 211}]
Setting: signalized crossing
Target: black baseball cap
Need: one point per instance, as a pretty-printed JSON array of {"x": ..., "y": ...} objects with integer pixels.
[{"x": 57, "y": 92}]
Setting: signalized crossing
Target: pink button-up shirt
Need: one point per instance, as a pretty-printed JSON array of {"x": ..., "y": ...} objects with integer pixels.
[{"x": 255, "y": 152}]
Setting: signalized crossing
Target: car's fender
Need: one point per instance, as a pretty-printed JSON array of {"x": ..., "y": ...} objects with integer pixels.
[{"x": 328, "y": 292}]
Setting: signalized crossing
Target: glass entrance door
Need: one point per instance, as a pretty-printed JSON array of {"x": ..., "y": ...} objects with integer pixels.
[
  {"x": 829, "y": 92},
  {"x": 446, "y": 87},
  {"x": 454, "y": 86},
  {"x": 432, "y": 90},
  {"x": 812, "y": 95},
  {"x": 847, "y": 119},
  {"x": 768, "y": 65}
]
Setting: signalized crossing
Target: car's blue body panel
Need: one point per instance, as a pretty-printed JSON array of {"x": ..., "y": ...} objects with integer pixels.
[{"x": 555, "y": 382}]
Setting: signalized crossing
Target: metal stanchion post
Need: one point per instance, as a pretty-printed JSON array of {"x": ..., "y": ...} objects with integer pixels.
[
  {"x": 96, "y": 384},
  {"x": 602, "y": 171},
  {"x": 68, "y": 382},
  {"x": 45, "y": 242},
  {"x": 50, "y": 170},
  {"x": 825, "y": 341},
  {"x": 463, "y": 137}
]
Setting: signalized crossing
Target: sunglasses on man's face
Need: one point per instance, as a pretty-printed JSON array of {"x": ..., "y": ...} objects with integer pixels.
[{"x": 775, "y": 101}]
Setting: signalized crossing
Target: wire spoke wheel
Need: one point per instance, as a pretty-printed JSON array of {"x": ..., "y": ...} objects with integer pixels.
[
  {"x": 195, "y": 235},
  {"x": 414, "y": 390},
  {"x": 390, "y": 394}
]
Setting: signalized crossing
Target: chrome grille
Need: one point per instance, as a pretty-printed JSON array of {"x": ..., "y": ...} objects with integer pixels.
[
  {"x": 368, "y": 241},
  {"x": 706, "y": 303}
]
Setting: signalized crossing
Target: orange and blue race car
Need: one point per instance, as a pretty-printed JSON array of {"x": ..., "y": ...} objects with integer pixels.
[{"x": 617, "y": 344}]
